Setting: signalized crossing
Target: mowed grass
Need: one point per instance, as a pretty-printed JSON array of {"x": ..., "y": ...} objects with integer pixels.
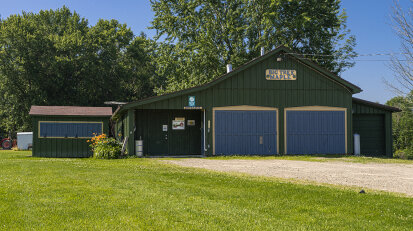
[
  {"x": 323, "y": 158},
  {"x": 145, "y": 194}
]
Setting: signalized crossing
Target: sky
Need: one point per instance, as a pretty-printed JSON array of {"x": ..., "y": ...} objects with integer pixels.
[{"x": 368, "y": 20}]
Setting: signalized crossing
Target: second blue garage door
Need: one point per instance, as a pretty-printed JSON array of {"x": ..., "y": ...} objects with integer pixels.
[
  {"x": 245, "y": 132},
  {"x": 316, "y": 132}
]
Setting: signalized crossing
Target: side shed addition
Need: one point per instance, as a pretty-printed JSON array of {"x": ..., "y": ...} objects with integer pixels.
[
  {"x": 62, "y": 131},
  {"x": 373, "y": 122}
]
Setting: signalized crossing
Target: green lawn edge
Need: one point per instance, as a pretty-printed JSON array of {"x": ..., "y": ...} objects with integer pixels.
[{"x": 144, "y": 194}]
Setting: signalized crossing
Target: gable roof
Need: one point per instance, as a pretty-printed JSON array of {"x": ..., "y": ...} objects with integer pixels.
[
  {"x": 376, "y": 105},
  {"x": 328, "y": 74},
  {"x": 70, "y": 111}
]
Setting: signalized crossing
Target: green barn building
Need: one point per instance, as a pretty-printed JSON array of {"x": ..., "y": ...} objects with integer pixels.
[
  {"x": 62, "y": 131},
  {"x": 277, "y": 103}
]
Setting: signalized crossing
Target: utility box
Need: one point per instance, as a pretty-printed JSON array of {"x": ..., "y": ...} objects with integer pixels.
[{"x": 24, "y": 140}]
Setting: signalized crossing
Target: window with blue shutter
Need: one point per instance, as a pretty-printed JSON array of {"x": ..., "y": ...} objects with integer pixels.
[{"x": 69, "y": 129}]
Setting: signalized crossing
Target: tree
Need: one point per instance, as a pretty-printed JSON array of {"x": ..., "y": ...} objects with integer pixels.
[
  {"x": 403, "y": 122},
  {"x": 139, "y": 69},
  {"x": 403, "y": 67},
  {"x": 201, "y": 36},
  {"x": 55, "y": 58}
]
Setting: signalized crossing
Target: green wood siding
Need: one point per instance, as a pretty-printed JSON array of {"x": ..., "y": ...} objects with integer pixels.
[
  {"x": 173, "y": 142},
  {"x": 366, "y": 109},
  {"x": 63, "y": 147},
  {"x": 249, "y": 87},
  {"x": 376, "y": 124},
  {"x": 371, "y": 129}
]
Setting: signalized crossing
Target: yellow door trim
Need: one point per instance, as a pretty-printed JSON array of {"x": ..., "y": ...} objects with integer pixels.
[
  {"x": 314, "y": 108},
  {"x": 243, "y": 108}
]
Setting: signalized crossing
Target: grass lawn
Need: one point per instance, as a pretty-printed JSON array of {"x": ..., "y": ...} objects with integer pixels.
[
  {"x": 323, "y": 158},
  {"x": 143, "y": 194}
]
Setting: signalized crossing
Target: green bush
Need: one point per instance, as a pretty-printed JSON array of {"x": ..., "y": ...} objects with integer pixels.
[
  {"x": 105, "y": 148},
  {"x": 404, "y": 154}
]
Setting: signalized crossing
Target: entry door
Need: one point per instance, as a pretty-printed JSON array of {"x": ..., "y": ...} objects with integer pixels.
[
  {"x": 158, "y": 143},
  {"x": 245, "y": 132},
  {"x": 315, "y": 132}
]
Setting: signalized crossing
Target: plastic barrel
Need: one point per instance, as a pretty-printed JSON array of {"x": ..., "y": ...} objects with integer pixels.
[{"x": 139, "y": 147}]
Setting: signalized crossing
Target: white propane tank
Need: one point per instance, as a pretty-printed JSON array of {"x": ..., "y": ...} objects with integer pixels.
[
  {"x": 356, "y": 144},
  {"x": 139, "y": 147}
]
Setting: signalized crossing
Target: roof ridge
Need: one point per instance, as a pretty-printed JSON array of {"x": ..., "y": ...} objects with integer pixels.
[{"x": 328, "y": 74}]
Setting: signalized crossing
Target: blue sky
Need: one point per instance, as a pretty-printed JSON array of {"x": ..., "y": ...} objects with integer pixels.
[{"x": 368, "y": 20}]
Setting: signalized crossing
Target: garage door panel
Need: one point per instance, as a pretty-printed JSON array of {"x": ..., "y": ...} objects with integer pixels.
[
  {"x": 315, "y": 132},
  {"x": 251, "y": 132}
]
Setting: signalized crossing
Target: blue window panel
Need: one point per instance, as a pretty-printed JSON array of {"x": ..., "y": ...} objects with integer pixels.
[
  {"x": 43, "y": 130},
  {"x": 239, "y": 132},
  {"x": 69, "y": 129},
  {"x": 315, "y": 132}
]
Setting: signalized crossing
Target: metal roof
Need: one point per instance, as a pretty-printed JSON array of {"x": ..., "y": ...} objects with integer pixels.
[
  {"x": 70, "y": 111},
  {"x": 376, "y": 105},
  {"x": 328, "y": 74}
]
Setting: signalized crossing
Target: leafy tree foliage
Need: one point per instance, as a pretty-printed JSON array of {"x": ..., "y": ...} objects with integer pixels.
[
  {"x": 201, "y": 36},
  {"x": 403, "y": 122},
  {"x": 56, "y": 58}
]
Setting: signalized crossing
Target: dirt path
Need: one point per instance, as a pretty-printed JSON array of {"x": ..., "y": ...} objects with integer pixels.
[{"x": 387, "y": 177}]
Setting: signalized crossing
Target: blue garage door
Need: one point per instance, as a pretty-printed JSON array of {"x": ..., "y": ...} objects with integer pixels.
[
  {"x": 245, "y": 132},
  {"x": 315, "y": 132}
]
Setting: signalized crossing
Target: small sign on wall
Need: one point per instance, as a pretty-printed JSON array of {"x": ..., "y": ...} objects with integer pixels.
[
  {"x": 191, "y": 123},
  {"x": 164, "y": 128},
  {"x": 191, "y": 101},
  {"x": 178, "y": 124},
  {"x": 277, "y": 74}
]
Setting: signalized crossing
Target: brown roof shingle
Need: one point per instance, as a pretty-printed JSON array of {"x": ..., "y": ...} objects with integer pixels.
[{"x": 70, "y": 111}]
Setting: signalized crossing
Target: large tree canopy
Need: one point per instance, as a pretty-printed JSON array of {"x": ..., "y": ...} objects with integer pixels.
[
  {"x": 201, "y": 36},
  {"x": 56, "y": 58}
]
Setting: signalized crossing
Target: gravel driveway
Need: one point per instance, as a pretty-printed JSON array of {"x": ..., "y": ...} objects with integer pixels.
[{"x": 387, "y": 177}]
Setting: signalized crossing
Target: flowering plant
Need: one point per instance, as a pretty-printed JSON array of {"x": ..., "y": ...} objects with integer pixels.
[{"x": 104, "y": 147}]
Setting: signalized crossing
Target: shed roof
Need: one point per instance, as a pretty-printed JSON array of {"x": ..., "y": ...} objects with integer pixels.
[
  {"x": 376, "y": 105},
  {"x": 70, "y": 111}
]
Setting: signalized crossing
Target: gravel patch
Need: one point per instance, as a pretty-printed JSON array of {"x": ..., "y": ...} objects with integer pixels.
[{"x": 388, "y": 177}]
